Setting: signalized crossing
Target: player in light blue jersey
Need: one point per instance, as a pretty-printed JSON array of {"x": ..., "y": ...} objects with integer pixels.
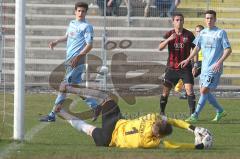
[
  {"x": 215, "y": 48},
  {"x": 79, "y": 37}
]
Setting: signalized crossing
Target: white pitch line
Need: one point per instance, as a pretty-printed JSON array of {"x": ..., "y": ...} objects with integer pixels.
[{"x": 29, "y": 135}]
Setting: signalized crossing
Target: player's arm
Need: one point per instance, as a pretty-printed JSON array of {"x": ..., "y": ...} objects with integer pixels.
[
  {"x": 175, "y": 145},
  {"x": 52, "y": 44},
  {"x": 198, "y": 131},
  {"x": 195, "y": 65},
  {"x": 88, "y": 47},
  {"x": 226, "y": 53},
  {"x": 165, "y": 42},
  {"x": 179, "y": 123},
  {"x": 193, "y": 53}
]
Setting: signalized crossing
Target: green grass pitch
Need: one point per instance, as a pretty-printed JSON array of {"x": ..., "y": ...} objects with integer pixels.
[{"x": 59, "y": 140}]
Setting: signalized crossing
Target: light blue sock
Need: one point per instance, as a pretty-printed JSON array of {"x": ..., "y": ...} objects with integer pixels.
[
  {"x": 201, "y": 103},
  {"x": 212, "y": 100},
  {"x": 60, "y": 99}
]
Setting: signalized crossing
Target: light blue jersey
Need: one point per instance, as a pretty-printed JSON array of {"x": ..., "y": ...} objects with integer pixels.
[
  {"x": 79, "y": 34},
  {"x": 212, "y": 42}
]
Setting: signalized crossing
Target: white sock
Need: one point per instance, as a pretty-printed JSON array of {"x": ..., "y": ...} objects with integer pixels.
[
  {"x": 77, "y": 123},
  {"x": 80, "y": 125}
]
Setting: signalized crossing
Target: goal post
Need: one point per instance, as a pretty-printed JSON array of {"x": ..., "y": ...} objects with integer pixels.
[{"x": 19, "y": 72}]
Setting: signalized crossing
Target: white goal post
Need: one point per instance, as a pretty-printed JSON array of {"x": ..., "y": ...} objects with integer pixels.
[{"x": 19, "y": 74}]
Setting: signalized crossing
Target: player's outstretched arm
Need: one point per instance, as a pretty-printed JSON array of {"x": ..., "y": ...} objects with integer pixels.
[
  {"x": 193, "y": 53},
  {"x": 174, "y": 145},
  {"x": 54, "y": 43},
  {"x": 203, "y": 137}
]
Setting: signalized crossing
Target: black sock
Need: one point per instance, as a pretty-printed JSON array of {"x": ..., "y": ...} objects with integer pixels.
[
  {"x": 163, "y": 103},
  {"x": 191, "y": 103}
]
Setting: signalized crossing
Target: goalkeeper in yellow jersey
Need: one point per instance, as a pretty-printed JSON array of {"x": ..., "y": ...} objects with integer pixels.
[{"x": 144, "y": 132}]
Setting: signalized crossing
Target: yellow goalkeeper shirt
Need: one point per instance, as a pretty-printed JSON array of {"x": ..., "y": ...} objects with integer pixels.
[{"x": 137, "y": 133}]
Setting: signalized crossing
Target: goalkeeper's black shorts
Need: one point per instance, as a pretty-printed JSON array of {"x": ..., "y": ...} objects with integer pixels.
[{"x": 110, "y": 115}]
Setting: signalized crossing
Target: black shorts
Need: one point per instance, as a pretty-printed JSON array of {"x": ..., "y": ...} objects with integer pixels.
[
  {"x": 172, "y": 76},
  {"x": 110, "y": 115}
]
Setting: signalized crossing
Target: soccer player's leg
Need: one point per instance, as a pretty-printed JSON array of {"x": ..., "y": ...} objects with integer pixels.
[
  {"x": 75, "y": 77},
  {"x": 220, "y": 112},
  {"x": 77, "y": 123},
  {"x": 51, "y": 117},
  {"x": 169, "y": 80},
  {"x": 72, "y": 76},
  {"x": 110, "y": 115},
  {"x": 188, "y": 81},
  {"x": 212, "y": 99},
  {"x": 61, "y": 95},
  {"x": 205, "y": 83},
  {"x": 202, "y": 100}
]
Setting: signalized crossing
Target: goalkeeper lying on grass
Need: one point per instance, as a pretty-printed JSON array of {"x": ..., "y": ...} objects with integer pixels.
[{"x": 144, "y": 132}]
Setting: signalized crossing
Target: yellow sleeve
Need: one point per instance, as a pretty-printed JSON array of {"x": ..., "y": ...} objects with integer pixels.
[
  {"x": 150, "y": 143},
  {"x": 178, "y": 123},
  {"x": 174, "y": 145},
  {"x": 175, "y": 122}
]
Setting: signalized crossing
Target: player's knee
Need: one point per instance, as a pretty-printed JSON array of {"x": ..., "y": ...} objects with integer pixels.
[
  {"x": 204, "y": 90},
  {"x": 189, "y": 89},
  {"x": 167, "y": 83}
]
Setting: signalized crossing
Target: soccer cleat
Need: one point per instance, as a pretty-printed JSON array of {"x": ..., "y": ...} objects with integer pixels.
[
  {"x": 219, "y": 116},
  {"x": 192, "y": 119},
  {"x": 48, "y": 118},
  {"x": 96, "y": 112}
]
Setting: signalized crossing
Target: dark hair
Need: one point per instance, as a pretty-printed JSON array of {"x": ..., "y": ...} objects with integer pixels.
[
  {"x": 81, "y": 4},
  {"x": 200, "y": 27},
  {"x": 177, "y": 14},
  {"x": 211, "y": 12},
  {"x": 165, "y": 129}
]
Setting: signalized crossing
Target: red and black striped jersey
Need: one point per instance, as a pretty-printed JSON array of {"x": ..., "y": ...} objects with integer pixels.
[{"x": 179, "y": 48}]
